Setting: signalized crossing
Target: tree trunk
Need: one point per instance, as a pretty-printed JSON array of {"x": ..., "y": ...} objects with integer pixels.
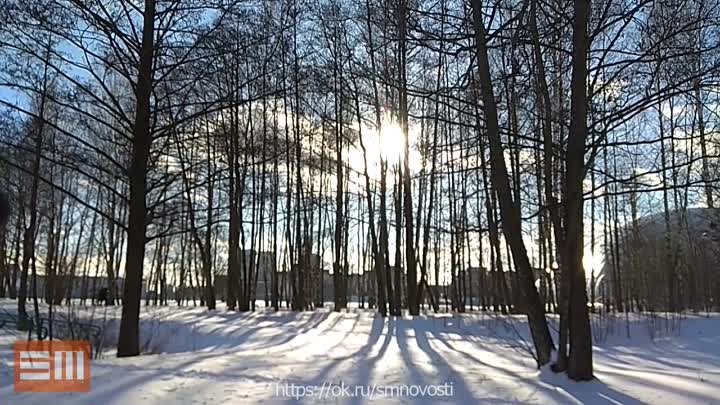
[
  {"x": 410, "y": 257},
  {"x": 509, "y": 212},
  {"x": 580, "y": 362},
  {"x": 129, "y": 338}
]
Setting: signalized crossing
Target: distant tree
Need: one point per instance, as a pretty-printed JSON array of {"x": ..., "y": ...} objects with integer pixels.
[{"x": 4, "y": 211}]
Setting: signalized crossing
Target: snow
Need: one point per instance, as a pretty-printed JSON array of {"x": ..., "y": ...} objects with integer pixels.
[{"x": 222, "y": 357}]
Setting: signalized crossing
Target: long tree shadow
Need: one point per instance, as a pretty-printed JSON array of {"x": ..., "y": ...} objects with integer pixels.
[
  {"x": 442, "y": 371},
  {"x": 106, "y": 389},
  {"x": 360, "y": 358},
  {"x": 594, "y": 392},
  {"x": 178, "y": 336},
  {"x": 556, "y": 386},
  {"x": 661, "y": 354},
  {"x": 366, "y": 372}
]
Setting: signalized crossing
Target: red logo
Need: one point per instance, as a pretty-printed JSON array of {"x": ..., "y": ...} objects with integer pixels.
[{"x": 52, "y": 366}]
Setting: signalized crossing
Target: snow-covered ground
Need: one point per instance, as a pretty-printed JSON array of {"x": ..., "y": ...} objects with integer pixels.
[{"x": 219, "y": 357}]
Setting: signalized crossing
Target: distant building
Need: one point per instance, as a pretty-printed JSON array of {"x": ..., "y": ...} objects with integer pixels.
[
  {"x": 493, "y": 286},
  {"x": 78, "y": 287},
  {"x": 647, "y": 276},
  {"x": 260, "y": 267}
]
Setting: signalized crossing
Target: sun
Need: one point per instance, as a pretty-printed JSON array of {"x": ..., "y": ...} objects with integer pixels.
[
  {"x": 391, "y": 141},
  {"x": 592, "y": 262},
  {"x": 386, "y": 144}
]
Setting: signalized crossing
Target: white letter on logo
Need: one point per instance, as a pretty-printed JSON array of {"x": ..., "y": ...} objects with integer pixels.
[
  {"x": 35, "y": 361},
  {"x": 69, "y": 365}
]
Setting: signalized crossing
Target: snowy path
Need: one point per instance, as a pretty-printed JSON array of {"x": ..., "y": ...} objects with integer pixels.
[{"x": 227, "y": 358}]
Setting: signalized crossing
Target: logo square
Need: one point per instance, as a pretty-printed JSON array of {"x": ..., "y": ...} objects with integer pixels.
[{"x": 44, "y": 366}]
